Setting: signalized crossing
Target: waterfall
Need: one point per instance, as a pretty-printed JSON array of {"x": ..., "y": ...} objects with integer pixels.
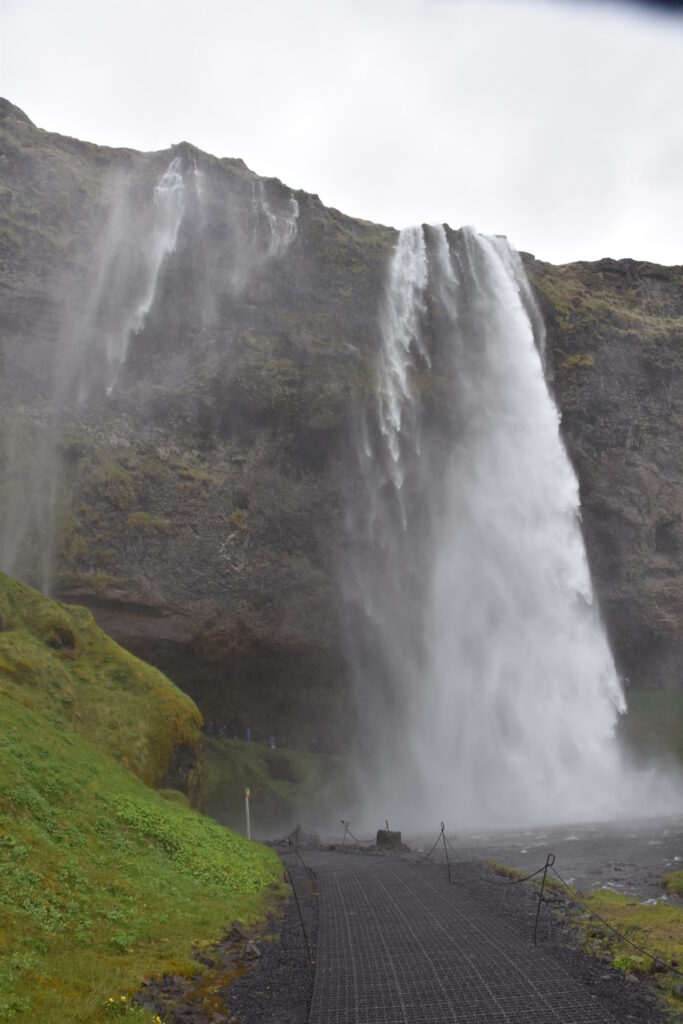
[
  {"x": 486, "y": 689},
  {"x": 282, "y": 226},
  {"x": 130, "y": 260},
  {"x": 400, "y": 335},
  {"x": 230, "y": 236},
  {"x": 169, "y": 206},
  {"x": 107, "y": 310}
]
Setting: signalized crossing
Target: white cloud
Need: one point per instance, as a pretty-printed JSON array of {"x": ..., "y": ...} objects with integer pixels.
[{"x": 557, "y": 123}]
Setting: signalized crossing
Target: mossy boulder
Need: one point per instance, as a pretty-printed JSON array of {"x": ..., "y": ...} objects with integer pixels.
[{"x": 56, "y": 661}]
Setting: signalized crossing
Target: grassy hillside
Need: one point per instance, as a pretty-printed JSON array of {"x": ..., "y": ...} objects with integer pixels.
[
  {"x": 57, "y": 662},
  {"x": 103, "y": 880},
  {"x": 287, "y": 786}
]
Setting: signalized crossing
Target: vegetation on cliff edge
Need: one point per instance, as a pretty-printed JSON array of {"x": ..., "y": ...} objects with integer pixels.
[{"x": 56, "y": 661}]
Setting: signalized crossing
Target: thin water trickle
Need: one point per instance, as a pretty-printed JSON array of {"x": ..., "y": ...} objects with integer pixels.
[
  {"x": 111, "y": 306},
  {"x": 283, "y": 225},
  {"x": 487, "y": 689},
  {"x": 115, "y": 304},
  {"x": 169, "y": 207}
]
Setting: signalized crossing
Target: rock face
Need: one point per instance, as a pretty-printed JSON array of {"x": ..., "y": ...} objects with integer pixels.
[
  {"x": 184, "y": 349},
  {"x": 615, "y": 338}
]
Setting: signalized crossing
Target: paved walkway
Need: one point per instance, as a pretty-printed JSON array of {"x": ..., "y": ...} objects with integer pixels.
[{"x": 398, "y": 945}]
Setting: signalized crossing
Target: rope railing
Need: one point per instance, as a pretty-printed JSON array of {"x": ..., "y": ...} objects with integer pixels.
[
  {"x": 427, "y": 855},
  {"x": 570, "y": 893},
  {"x": 288, "y": 878},
  {"x": 347, "y": 831},
  {"x": 548, "y": 866},
  {"x": 294, "y": 848},
  {"x": 549, "y": 861},
  {"x": 447, "y": 844},
  {"x": 494, "y": 881}
]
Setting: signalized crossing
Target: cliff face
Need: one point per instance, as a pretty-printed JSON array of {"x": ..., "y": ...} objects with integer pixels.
[
  {"x": 198, "y": 507},
  {"x": 184, "y": 350},
  {"x": 615, "y": 336}
]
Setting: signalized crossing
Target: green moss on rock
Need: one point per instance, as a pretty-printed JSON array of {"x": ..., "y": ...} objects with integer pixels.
[
  {"x": 145, "y": 523},
  {"x": 55, "y": 660}
]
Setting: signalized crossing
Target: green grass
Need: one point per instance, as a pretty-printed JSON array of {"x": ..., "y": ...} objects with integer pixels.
[
  {"x": 146, "y": 523},
  {"x": 104, "y": 881},
  {"x": 287, "y": 786},
  {"x": 654, "y": 724},
  {"x": 582, "y": 303},
  {"x": 56, "y": 661},
  {"x": 657, "y": 929},
  {"x": 504, "y": 870},
  {"x": 579, "y": 360},
  {"x": 672, "y": 881}
]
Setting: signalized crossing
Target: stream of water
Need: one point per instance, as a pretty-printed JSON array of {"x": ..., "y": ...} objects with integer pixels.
[
  {"x": 486, "y": 687},
  {"x": 106, "y": 309}
]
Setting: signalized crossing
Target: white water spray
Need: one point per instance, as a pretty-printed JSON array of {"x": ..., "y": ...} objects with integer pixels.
[
  {"x": 283, "y": 225},
  {"x": 88, "y": 357},
  {"x": 169, "y": 206},
  {"x": 402, "y": 344},
  {"x": 486, "y": 685}
]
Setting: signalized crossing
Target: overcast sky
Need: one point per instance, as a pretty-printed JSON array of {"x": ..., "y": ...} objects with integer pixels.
[{"x": 559, "y": 124}]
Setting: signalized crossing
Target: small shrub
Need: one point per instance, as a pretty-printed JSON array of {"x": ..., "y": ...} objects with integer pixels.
[
  {"x": 114, "y": 484},
  {"x": 55, "y": 630},
  {"x": 238, "y": 519},
  {"x": 583, "y": 360},
  {"x": 146, "y": 523},
  {"x": 632, "y": 963}
]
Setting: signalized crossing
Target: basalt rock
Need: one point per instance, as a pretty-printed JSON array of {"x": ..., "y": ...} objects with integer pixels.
[
  {"x": 615, "y": 337},
  {"x": 198, "y": 505}
]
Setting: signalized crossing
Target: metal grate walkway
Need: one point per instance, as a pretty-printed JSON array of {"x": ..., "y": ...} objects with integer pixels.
[{"x": 399, "y": 946}]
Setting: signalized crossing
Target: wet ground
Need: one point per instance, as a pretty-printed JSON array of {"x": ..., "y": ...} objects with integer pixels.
[{"x": 628, "y": 857}]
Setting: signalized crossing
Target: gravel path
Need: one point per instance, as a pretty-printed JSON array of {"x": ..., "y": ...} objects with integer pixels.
[{"x": 398, "y": 945}]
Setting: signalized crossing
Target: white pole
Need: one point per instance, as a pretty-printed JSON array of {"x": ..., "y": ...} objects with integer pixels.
[{"x": 247, "y": 794}]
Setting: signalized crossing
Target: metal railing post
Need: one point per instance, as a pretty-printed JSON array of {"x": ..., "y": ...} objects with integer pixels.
[{"x": 549, "y": 861}]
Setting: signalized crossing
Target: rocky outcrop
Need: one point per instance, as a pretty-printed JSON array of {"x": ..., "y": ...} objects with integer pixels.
[{"x": 198, "y": 504}]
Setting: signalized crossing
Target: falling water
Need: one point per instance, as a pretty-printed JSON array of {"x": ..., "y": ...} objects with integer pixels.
[
  {"x": 487, "y": 690},
  {"x": 282, "y": 226},
  {"x": 169, "y": 205},
  {"x": 109, "y": 310},
  {"x": 228, "y": 241},
  {"x": 131, "y": 257}
]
